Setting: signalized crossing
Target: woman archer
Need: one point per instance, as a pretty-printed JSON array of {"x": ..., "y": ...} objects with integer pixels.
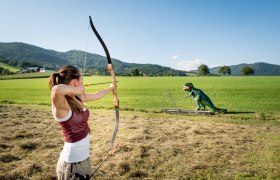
[{"x": 67, "y": 97}]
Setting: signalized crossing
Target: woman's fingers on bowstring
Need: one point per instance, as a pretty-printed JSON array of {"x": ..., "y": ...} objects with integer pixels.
[{"x": 113, "y": 85}]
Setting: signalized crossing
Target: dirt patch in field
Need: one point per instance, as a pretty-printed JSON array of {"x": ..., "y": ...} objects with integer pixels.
[{"x": 151, "y": 147}]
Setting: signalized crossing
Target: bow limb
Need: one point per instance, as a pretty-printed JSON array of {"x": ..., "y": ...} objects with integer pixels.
[
  {"x": 116, "y": 100},
  {"x": 111, "y": 70},
  {"x": 116, "y": 104}
]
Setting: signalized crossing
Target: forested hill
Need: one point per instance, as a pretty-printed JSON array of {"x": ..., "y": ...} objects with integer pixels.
[
  {"x": 16, "y": 52},
  {"x": 261, "y": 69}
]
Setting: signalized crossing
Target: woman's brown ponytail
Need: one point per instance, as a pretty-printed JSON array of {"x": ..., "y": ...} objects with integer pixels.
[{"x": 53, "y": 81}]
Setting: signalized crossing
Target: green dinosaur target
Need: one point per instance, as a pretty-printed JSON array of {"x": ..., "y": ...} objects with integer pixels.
[{"x": 201, "y": 99}]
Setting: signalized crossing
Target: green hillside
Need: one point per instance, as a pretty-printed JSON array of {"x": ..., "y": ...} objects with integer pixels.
[
  {"x": 10, "y": 68},
  {"x": 16, "y": 52}
]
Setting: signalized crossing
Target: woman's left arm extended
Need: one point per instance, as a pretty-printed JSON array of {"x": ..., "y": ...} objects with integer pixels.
[{"x": 97, "y": 95}]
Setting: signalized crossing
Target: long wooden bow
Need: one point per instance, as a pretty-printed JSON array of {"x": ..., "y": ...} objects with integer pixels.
[
  {"x": 111, "y": 70},
  {"x": 116, "y": 106}
]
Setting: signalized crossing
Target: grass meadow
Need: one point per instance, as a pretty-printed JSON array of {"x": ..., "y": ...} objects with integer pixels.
[
  {"x": 242, "y": 144},
  {"x": 244, "y": 94}
]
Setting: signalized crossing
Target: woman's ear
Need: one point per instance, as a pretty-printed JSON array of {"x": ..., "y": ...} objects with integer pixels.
[
  {"x": 73, "y": 82},
  {"x": 76, "y": 82}
]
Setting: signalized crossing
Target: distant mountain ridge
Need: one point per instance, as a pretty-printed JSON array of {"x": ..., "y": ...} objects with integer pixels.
[
  {"x": 261, "y": 69},
  {"x": 97, "y": 64},
  {"x": 22, "y": 52}
]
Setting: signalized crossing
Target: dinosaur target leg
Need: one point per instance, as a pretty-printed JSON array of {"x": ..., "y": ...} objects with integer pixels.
[
  {"x": 202, "y": 106},
  {"x": 209, "y": 103},
  {"x": 197, "y": 105}
]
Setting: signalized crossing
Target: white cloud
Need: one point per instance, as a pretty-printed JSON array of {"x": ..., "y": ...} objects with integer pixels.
[
  {"x": 189, "y": 65},
  {"x": 175, "y": 57},
  {"x": 215, "y": 65}
]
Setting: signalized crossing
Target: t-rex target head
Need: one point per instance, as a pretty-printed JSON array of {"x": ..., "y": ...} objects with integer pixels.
[{"x": 188, "y": 86}]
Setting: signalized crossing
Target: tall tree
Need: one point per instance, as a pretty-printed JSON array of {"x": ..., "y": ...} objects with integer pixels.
[
  {"x": 224, "y": 70},
  {"x": 203, "y": 70},
  {"x": 228, "y": 70},
  {"x": 247, "y": 70},
  {"x": 134, "y": 72}
]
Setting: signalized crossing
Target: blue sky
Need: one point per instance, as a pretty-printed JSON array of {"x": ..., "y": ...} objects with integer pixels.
[{"x": 181, "y": 34}]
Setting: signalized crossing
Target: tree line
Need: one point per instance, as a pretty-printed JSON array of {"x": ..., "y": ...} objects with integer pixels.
[
  {"x": 203, "y": 70},
  {"x": 133, "y": 71}
]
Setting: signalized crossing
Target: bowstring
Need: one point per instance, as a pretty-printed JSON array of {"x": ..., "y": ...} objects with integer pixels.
[
  {"x": 85, "y": 57},
  {"x": 86, "y": 51}
]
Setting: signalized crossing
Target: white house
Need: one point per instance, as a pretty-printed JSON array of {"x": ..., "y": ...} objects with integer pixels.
[{"x": 46, "y": 69}]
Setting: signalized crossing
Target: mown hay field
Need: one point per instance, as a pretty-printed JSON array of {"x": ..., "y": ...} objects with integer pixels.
[{"x": 243, "y": 144}]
